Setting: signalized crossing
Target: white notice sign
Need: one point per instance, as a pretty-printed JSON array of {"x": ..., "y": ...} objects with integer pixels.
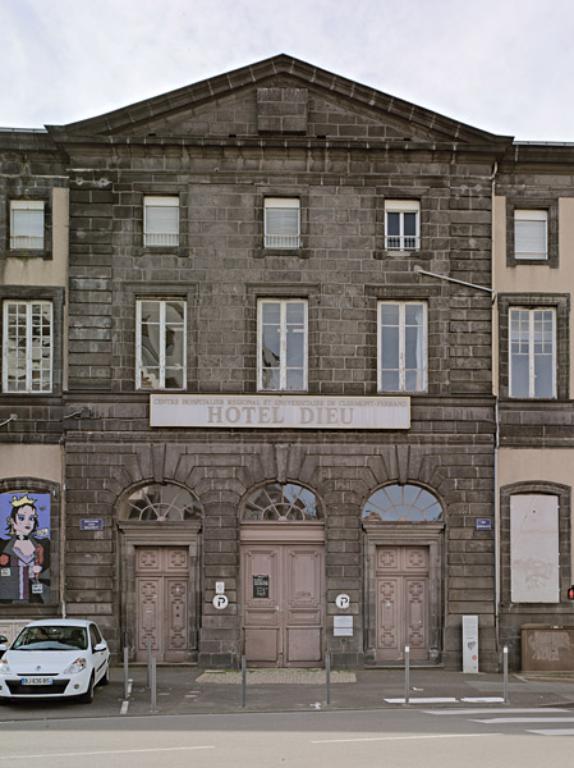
[
  {"x": 280, "y": 412},
  {"x": 343, "y": 626},
  {"x": 470, "y": 644}
]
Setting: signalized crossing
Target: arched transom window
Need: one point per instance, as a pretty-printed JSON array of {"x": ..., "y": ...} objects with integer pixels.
[
  {"x": 284, "y": 502},
  {"x": 161, "y": 502},
  {"x": 402, "y": 503}
]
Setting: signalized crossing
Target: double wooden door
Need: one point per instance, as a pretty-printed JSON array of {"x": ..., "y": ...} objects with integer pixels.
[
  {"x": 162, "y": 603},
  {"x": 282, "y": 603},
  {"x": 402, "y": 602}
]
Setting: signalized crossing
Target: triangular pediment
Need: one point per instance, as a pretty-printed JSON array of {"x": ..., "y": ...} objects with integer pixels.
[{"x": 279, "y": 95}]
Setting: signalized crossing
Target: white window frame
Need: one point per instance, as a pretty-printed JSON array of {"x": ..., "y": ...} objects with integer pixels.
[
  {"x": 530, "y": 215},
  {"x": 162, "y": 337},
  {"x": 423, "y": 373},
  {"x": 30, "y": 389},
  {"x": 23, "y": 242},
  {"x": 531, "y": 356},
  {"x": 281, "y": 242},
  {"x": 282, "y": 343},
  {"x": 402, "y": 207},
  {"x": 154, "y": 240}
]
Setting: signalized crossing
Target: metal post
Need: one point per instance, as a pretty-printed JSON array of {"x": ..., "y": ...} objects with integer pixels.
[
  {"x": 148, "y": 650},
  {"x": 153, "y": 685},
  {"x": 407, "y": 673},
  {"x": 126, "y": 672},
  {"x": 243, "y": 681},
  {"x": 505, "y": 674},
  {"x": 328, "y": 677}
]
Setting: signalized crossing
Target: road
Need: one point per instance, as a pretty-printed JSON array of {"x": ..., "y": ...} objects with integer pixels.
[{"x": 392, "y": 738}]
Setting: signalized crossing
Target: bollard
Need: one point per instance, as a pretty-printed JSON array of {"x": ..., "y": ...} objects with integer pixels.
[
  {"x": 505, "y": 674},
  {"x": 328, "y": 677},
  {"x": 153, "y": 685},
  {"x": 148, "y": 650},
  {"x": 243, "y": 681},
  {"x": 407, "y": 673},
  {"x": 126, "y": 672}
]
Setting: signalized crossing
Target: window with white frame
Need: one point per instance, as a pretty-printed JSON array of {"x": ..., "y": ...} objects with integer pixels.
[
  {"x": 402, "y": 225},
  {"x": 282, "y": 345},
  {"x": 161, "y": 221},
  {"x": 27, "y": 225},
  {"x": 532, "y": 352},
  {"x": 402, "y": 343},
  {"x": 282, "y": 222},
  {"x": 161, "y": 344},
  {"x": 531, "y": 234},
  {"x": 27, "y": 346}
]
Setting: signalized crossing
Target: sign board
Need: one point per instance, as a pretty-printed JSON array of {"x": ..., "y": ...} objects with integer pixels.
[
  {"x": 261, "y": 586},
  {"x": 342, "y": 601},
  {"x": 470, "y": 644},
  {"x": 219, "y": 587},
  {"x": 280, "y": 412},
  {"x": 220, "y": 602},
  {"x": 92, "y": 524},
  {"x": 343, "y": 626},
  {"x": 483, "y": 524}
]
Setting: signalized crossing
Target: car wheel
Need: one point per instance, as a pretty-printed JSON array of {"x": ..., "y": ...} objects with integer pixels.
[
  {"x": 88, "y": 696},
  {"x": 106, "y": 678}
]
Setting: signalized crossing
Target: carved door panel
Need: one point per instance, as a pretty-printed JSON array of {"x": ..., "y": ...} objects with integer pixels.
[
  {"x": 402, "y": 603},
  {"x": 162, "y": 600},
  {"x": 283, "y": 604}
]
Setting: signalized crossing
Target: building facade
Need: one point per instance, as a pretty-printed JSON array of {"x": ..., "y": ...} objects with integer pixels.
[{"x": 285, "y": 371}]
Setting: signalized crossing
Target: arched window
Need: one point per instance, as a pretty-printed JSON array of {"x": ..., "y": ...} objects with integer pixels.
[
  {"x": 402, "y": 503},
  {"x": 284, "y": 502},
  {"x": 161, "y": 502}
]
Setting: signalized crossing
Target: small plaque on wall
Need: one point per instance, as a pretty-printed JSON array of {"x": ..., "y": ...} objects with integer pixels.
[
  {"x": 92, "y": 524},
  {"x": 261, "y": 586},
  {"x": 343, "y": 626}
]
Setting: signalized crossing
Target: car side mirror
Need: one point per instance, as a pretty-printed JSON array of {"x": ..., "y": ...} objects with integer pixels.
[{"x": 100, "y": 647}]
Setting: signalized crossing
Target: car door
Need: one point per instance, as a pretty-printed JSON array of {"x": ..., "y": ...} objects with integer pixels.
[{"x": 99, "y": 657}]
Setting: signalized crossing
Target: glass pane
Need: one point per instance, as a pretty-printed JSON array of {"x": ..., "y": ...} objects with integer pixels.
[
  {"x": 412, "y": 381},
  {"x": 150, "y": 378},
  {"x": 413, "y": 348},
  {"x": 393, "y": 224},
  {"x": 295, "y": 347},
  {"x": 414, "y": 314},
  {"x": 543, "y": 376},
  {"x": 174, "y": 346},
  {"x": 390, "y": 347},
  {"x": 390, "y": 381},
  {"x": 295, "y": 312},
  {"x": 150, "y": 311},
  {"x": 174, "y": 378},
  {"x": 270, "y": 378},
  {"x": 271, "y": 312},
  {"x": 410, "y": 224},
  {"x": 295, "y": 379},
  {"x": 270, "y": 346},
  {"x": 174, "y": 312},
  {"x": 519, "y": 375},
  {"x": 390, "y": 314},
  {"x": 150, "y": 345}
]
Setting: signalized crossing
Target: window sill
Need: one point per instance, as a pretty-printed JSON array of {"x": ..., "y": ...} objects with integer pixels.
[
  {"x": 516, "y": 262},
  {"x": 298, "y": 253},
  {"x": 168, "y": 250},
  {"x": 28, "y": 253},
  {"x": 395, "y": 253}
]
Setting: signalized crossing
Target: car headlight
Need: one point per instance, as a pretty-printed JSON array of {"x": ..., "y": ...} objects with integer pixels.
[
  {"x": 4, "y": 667},
  {"x": 78, "y": 665}
]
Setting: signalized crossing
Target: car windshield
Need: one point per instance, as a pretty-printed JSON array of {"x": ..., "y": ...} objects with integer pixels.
[{"x": 51, "y": 638}]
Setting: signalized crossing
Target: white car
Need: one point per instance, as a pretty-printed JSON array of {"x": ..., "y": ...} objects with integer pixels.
[{"x": 55, "y": 658}]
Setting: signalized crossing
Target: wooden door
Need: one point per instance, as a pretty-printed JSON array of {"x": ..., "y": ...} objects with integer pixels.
[
  {"x": 162, "y": 600},
  {"x": 402, "y": 604},
  {"x": 283, "y": 604}
]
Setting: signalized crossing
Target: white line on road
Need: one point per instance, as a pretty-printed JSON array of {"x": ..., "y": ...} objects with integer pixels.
[
  {"x": 415, "y": 700},
  {"x": 409, "y": 738},
  {"x": 501, "y": 720},
  {"x": 553, "y": 732},
  {"x": 491, "y": 711},
  {"x": 483, "y": 700},
  {"x": 102, "y": 752}
]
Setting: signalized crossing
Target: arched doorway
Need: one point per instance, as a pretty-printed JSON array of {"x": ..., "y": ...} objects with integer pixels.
[
  {"x": 282, "y": 576},
  {"x": 404, "y": 528},
  {"x": 159, "y": 526}
]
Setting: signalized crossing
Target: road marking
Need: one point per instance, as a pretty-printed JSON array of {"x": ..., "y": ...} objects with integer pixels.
[
  {"x": 102, "y": 752},
  {"x": 508, "y": 720},
  {"x": 491, "y": 711},
  {"x": 124, "y": 707},
  {"x": 553, "y": 732},
  {"x": 483, "y": 700},
  {"x": 415, "y": 700},
  {"x": 408, "y": 738}
]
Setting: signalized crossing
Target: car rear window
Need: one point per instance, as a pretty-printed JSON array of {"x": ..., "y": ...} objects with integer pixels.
[{"x": 51, "y": 638}]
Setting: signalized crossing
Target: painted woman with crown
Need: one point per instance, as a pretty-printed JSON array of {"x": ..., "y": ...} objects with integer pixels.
[{"x": 25, "y": 556}]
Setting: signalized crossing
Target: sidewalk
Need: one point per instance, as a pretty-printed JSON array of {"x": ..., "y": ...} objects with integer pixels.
[{"x": 185, "y": 690}]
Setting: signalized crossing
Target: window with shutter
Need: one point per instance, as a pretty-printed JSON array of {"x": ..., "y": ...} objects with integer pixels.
[
  {"x": 26, "y": 225},
  {"x": 530, "y": 234},
  {"x": 402, "y": 227},
  {"x": 161, "y": 222},
  {"x": 282, "y": 222}
]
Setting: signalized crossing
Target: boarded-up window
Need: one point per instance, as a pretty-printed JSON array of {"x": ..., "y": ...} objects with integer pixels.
[{"x": 534, "y": 549}]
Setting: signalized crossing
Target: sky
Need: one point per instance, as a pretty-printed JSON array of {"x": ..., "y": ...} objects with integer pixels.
[{"x": 505, "y": 66}]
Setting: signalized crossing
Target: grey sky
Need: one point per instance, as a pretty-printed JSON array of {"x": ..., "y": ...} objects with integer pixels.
[{"x": 501, "y": 65}]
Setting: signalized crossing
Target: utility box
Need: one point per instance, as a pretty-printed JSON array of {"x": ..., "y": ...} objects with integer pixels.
[
  {"x": 470, "y": 644},
  {"x": 547, "y": 648}
]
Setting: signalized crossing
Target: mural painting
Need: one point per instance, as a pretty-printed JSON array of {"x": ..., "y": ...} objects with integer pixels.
[{"x": 24, "y": 547}]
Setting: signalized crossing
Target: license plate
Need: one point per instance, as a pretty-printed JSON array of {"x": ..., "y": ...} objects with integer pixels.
[{"x": 36, "y": 680}]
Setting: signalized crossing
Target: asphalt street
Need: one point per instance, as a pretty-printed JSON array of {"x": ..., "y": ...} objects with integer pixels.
[{"x": 393, "y": 738}]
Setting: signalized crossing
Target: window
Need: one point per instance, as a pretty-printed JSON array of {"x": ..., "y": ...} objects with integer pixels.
[
  {"x": 530, "y": 234},
  {"x": 402, "y": 229},
  {"x": 402, "y": 503},
  {"x": 27, "y": 225},
  {"x": 161, "y": 222},
  {"x": 402, "y": 346},
  {"x": 282, "y": 345},
  {"x": 532, "y": 353},
  {"x": 284, "y": 502},
  {"x": 27, "y": 346},
  {"x": 161, "y": 344},
  {"x": 534, "y": 548},
  {"x": 282, "y": 224},
  {"x": 163, "y": 502}
]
